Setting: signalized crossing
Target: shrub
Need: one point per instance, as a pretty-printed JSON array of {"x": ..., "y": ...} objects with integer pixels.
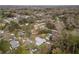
[
  {"x": 21, "y": 50},
  {"x": 4, "y": 45}
]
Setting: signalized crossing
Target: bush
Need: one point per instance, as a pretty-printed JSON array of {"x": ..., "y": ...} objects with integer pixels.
[
  {"x": 4, "y": 45},
  {"x": 70, "y": 45},
  {"x": 12, "y": 26},
  {"x": 21, "y": 50}
]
